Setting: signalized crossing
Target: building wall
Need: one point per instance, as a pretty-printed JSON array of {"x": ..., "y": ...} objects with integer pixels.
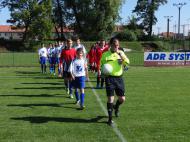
[{"x": 11, "y": 35}]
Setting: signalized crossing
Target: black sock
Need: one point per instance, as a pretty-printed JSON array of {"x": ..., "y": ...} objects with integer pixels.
[
  {"x": 110, "y": 109},
  {"x": 45, "y": 68},
  {"x": 102, "y": 82},
  {"x": 98, "y": 81},
  {"x": 42, "y": 68},
  {"x": 118, "y": 103}
]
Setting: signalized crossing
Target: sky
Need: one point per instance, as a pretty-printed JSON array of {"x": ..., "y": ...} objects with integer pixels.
[
  {"x": 164, "y": 10},
  {"x": 161, "y": 26}
]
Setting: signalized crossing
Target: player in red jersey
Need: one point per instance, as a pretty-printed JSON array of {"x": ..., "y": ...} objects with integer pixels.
[
  {"x": 67, "y": 56},
  {"x": 100, "y": 49},
  {"x": 92, "y": 58}
]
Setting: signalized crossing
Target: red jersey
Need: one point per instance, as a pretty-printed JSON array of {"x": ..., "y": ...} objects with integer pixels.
[
  {"x": 67, "y": 55},
  {"x": 98, "y": 55},
  {"x": 91, "y": 55},
  {"x": 99, "y": 52}
]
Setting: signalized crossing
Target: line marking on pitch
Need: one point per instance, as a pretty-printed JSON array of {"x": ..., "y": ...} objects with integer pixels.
[{"x": 116, "y": 130}]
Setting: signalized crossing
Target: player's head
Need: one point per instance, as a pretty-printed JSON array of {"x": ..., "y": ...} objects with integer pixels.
[
  {"x": 114, "y": 43},
  {"x": 77, "y": 41},
  {"x": 69, "y": 43},
  {"x": 80, "y": 53},
  {"x": 102, "y": 43},
  {"x": 50, "y": 45},
  {"x": 42, "y": 44}
]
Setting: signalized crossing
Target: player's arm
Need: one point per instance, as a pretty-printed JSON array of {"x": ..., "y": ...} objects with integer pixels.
[
  {"x": 70, "y": 71},
  {"x": 123, "y": 57},
  {"x": 86, "y": 71}
]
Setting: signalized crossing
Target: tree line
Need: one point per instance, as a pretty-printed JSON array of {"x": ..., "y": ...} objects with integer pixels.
[{"x": 90, "y": 19}]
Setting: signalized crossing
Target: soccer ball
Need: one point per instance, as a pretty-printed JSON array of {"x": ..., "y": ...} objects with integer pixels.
[{"x": 107, "y": 69}]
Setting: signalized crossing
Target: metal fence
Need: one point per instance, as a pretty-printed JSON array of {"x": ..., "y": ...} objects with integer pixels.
[{"x": 28, "y": 59}]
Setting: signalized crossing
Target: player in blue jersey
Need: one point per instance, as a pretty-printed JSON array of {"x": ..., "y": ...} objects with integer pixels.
[{"x": 78, "y": 70}]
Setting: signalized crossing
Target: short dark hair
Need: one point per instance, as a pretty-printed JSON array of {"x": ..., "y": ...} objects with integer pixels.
[
  {"x": 112, "y": 40},
  {"x": 79, "y": 50}
]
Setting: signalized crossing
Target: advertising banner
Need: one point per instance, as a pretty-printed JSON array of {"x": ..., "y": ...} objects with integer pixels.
[{"x": 166, "y": 59}]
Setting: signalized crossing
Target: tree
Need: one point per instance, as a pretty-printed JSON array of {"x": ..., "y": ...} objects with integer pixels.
[
  {"x": 96, "y": 18},
  {"x": 145, "y": 10},
  {"x": 34, "y": 16}
]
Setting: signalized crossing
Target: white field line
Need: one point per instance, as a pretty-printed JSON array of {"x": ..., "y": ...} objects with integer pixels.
[{"x": 116, "y": 130}]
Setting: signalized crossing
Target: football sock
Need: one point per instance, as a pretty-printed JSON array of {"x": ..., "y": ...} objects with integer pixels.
[
  {"x": 82, "y": 99},
  {"x": 98, "y": 81},
  {"x": 77, "y": 95},
  {"x": 70, "y": 88},
  {"x": 102, "y": 82},
  {"x": 118, "y": 103},
  {"x": 53, "y": 68},
  {"x": 110, "y": 110},
  {"x": 42, "y": 68}
]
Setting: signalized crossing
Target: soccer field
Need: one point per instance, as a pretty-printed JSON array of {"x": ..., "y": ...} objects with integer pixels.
[{"x": 35, "y": 108}]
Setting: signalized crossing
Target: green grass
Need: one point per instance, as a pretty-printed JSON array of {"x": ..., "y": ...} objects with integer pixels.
[
  {"x": 35, "y": 108},
  {"x": 30, "y": 59}
]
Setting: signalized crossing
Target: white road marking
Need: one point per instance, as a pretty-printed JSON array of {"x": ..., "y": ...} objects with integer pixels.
[{"x": 116, "y": 130}]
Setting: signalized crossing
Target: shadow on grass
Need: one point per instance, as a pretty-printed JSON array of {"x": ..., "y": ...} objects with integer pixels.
[
  {"x": 38, "y": 96},
  {"x": 91, "y": 81},
  {"x": 51, "y": 88},
  {"x": 42, "y": 105},
  {"x": 45, "y": 83},
  {"x": 34, "y": 105},
  {"x": 27, "y": 72},
  {"x": 44, "y": 119}
]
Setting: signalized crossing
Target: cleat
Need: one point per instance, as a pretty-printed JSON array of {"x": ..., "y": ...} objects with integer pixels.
[
  {"x": 116, "y": 113},
  {"x": 77, "y": 102},
  {"x": 110, "y": 122},
  {"x": 97, "y": 87},
  {"x": 67, "y": 90},
  {"x": 71, "y": 96},
  {"x": 82, "y": 107}
]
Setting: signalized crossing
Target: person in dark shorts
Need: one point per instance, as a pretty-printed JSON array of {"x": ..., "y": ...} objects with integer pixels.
[
  {"x": 68, "y": 54},
  {"x": 115, "y": 59}
]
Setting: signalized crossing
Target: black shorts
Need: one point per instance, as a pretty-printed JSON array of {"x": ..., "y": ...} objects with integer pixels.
[
  {"x": 115, "y": 84},
  {"x": 66, "y": 74}
]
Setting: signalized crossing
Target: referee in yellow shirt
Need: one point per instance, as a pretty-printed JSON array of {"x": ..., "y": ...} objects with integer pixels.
[{"x": 114, "y": 81}]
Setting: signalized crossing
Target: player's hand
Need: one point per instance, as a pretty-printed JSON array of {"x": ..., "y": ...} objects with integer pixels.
[{"x": 120, "y": 61}]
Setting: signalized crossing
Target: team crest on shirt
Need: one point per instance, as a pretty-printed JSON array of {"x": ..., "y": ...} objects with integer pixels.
[{"x": 78, "y": 68}]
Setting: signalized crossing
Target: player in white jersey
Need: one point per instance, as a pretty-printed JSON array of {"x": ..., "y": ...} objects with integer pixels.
[
  {"x": 52, "y": 58},
  {"x": 79, "y": 45},
  {"x": 78, "y": 70},
  {"x": 42, "y": 52},
  {"x": 58, "y": 55}
]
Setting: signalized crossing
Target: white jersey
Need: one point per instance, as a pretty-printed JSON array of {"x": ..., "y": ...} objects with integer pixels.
[
  {"x": 80, "y": 46},
  {"x": 42, "y": 52},
  {"x": 58, "y": 51},
  {"x": 52, "y": 52},
  {"x": 77, "y": 67}
]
